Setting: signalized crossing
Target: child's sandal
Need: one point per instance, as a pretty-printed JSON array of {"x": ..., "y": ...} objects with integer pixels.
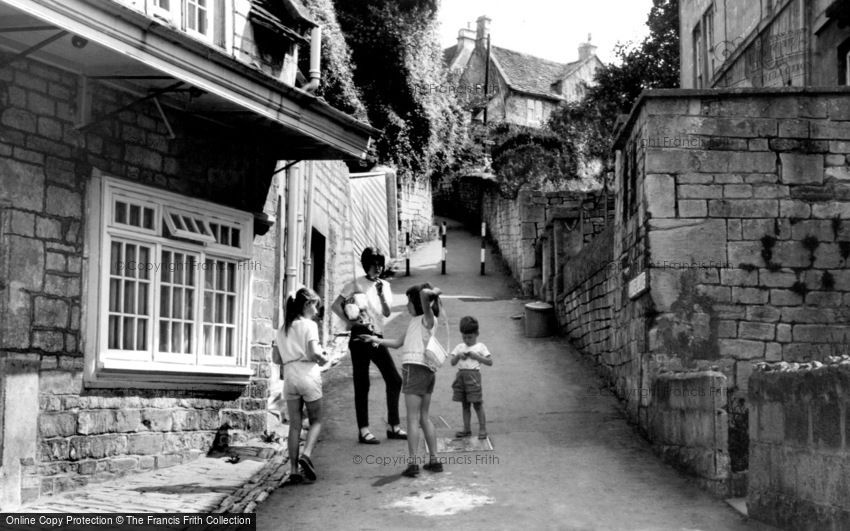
[{"x": 462, "y": 434}]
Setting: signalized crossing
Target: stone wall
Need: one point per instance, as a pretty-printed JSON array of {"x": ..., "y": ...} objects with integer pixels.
[
  {"x": 517, "y": 227},
  {"x": 416, "y": 212},
  {"x": 688, "y": 420},
  {"x": 45, "y": 165},
  {"x": 798, "y": 475}
]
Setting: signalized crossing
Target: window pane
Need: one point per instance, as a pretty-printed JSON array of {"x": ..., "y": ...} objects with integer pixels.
[
  {"x": 225, "y": 236},
  {"x": 148, "y": 221},
  {"x": 129, "y": 333},
  {"x": 208, "y": 340},
  {"x": 164, "y": 334},
  {"x": 190, "y": 224},
  {"x": 231, "y": 303},
  {"x": 219, "y": 307},
  {"x": 166, "y": 270},
  {"x": 229, "y": 343},
  {"x": 231, "y": 277},
  {"x": 208, "y": 307},
  {"x": 142, "y": 334},
  {"x": 177, "y": 268},
  {"x": 114, "y": 295},
  {"x": 164, "y": 304},
  {"x": 135, "y": 215},
  {"x": 187, "y": 305},
  {"x": 190, "y": 271},
  {"x": 187, "y": 338},
  {"x": 177, "y": 303},
  {"x": 113, "y": 331},
  {"x": 131, "y": 264},
  {"x": 129, "y": 296},
  {"x": 218, "y": 342},
  {"x": 220, "y": 274},
  {"x": 143, "y": 270},
  {"x": 214, "y": 228},
  {"x": 143, "y": 299},
  {"x": 176, "y": 338},
  {"x": 234, "y": 238},
  {"x": 209, "y": 274},
  {"x": 120, "y": 212},
  {"x": 115, "y": 259},
  {"x": 178, "y": 223}
]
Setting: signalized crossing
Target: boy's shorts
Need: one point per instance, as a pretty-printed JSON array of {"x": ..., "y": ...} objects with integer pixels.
[
  {"x": 302, "y": 380},
  {"x": 467, "y": 386},
  {"x": 417, "y": 379}
]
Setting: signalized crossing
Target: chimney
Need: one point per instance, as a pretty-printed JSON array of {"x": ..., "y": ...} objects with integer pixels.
[
  {"x": 586, "y": 49},
  {"x": 483, "y": 29},
  {"x": 465, "y": 39}
]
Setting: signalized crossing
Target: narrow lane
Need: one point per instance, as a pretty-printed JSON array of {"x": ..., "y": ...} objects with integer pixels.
[{"x": 563, "y": 457}]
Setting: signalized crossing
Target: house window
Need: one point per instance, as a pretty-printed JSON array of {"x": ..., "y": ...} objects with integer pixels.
[
  {"x": 195, "y": 17},
  {"x": 172, "y": 296},
  {"x": 708, "y": 35},
  {"x": 697, "y": 57}
]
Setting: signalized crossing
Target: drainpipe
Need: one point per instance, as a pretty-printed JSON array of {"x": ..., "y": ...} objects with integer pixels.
[
  {"x": 315, "y": 60},
  {"x": 293, "y": 214},
  {"x": 308, "y": 226}
]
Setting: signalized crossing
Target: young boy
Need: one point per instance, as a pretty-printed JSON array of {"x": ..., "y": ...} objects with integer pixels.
[{"x": 469, "y": 356}]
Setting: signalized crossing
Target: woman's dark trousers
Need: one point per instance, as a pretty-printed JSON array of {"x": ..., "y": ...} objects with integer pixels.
[{"x": 362, "y": 353}]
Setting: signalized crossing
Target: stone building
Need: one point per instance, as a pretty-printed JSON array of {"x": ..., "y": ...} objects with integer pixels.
[
  {"x": 166, "y": 176},
  {"x": 522, "y": 89},
  {"x": 764, "y": 43}
]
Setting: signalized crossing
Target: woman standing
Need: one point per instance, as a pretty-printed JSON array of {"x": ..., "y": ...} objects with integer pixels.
[
  {"x": 302, "y": 355},
  {"x": 374, "y": 301}
]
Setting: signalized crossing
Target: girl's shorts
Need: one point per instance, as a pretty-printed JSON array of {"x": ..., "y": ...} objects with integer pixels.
[
  {"x": 467, "y": 386},
  {"x": 417, "y": 379},
  {"x": 302, "y": 379}
]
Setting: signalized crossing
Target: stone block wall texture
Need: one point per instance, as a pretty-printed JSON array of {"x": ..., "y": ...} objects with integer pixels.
[
  {"x": 799, "y": 455},
  {"x": 736, "y": 207},
  {"x": 517, "y": 226},
  {"x": 415, "y": 209},
  {"x": 45, "y": 164},
  {"x": 688, "y": 420}
]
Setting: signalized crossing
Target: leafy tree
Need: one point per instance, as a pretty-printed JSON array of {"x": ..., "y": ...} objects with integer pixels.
[
  {"x": 588, "y": 125},
  {"x": 337, "y": 86},
  {"x": 395, "y": 46}
]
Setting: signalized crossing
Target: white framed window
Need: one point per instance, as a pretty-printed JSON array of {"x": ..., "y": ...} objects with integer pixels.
[
  {"x": 195, "y": 17},
  {"x": 168, "y": 287},
  {"x": 165, "y": 9}
]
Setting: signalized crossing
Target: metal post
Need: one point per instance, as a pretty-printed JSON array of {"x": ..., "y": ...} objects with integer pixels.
[
  {"x": 443, "y": 230},
  {"x": 407, "y": 252},
  {"x": 483, "y": 245}
]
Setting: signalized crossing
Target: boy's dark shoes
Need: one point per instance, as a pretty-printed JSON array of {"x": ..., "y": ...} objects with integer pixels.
[
  {"x": 482, "y": 435},
  {"x": 294, "y": 479},
  {"x": 462, "y": 434},
  {"x": 411, "y": 471},
  {"x": 307, "y": 467},
  {"x": 433, "y": 466}
]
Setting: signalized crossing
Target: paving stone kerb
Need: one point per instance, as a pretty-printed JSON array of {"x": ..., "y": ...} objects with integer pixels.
[{"x": 799, "y": 446}]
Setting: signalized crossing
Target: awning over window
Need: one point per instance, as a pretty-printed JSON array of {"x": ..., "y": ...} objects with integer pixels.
[{"x": 145, "y": 56}]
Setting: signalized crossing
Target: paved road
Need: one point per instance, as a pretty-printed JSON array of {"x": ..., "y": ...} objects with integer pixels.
[{"x": 561, "y": 458}]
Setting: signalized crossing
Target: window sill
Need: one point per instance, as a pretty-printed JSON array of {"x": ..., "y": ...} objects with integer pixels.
[{"x": 147, "y": 375}]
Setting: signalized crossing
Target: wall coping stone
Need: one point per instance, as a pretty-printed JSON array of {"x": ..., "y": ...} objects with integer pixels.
[{"x": 621, "y": 134}]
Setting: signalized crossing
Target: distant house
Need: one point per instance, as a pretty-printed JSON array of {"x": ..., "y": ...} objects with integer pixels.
[
  {"x": 522, "y": 89},
  {"x": 764, "y": 43},
  {"x": 165, "y": 181}
]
